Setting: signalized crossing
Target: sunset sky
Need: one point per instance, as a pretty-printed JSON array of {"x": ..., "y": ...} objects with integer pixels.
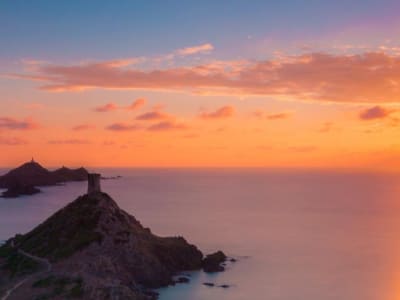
[{"x": 312, "y": 84}]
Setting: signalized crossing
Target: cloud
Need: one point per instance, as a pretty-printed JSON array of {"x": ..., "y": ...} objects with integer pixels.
[
  {"x": 12, "y": 141},
  {"x": 220, "y": 113},
  {"x": 14, "y": 124},
  {"x": 373, "y": 113},
  {"x": 153, "y": 115},
  {"x": 326, "y": 127},
  {"x": 69, "y": 142},
  {"x": 274, "y": 116},
  {"x": 106, "y": 108},
  {"x": 82, "y": 127},
  {"x": 123, "y": 127},
  {"x": 167, "y": 126},
  {"x": 138, "y": 103},
  {"x": 204, "y": 48},
  {"x": 369, "y": 77}
]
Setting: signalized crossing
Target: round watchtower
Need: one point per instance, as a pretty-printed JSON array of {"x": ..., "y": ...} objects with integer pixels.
[{"x": 94, "y": 183}]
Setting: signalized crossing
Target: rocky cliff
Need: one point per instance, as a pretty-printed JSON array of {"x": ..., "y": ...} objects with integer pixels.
[{"x": 93, "y": 242}]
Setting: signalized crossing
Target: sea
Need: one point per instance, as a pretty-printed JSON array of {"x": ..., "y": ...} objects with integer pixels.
[{"x": 296, "y": 234}]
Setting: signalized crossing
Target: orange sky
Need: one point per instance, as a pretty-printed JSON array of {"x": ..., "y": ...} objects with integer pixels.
[{"x": 329, "y": 101}]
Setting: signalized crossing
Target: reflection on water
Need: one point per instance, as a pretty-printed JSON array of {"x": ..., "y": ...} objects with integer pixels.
[{"x": 299, "y": 235}]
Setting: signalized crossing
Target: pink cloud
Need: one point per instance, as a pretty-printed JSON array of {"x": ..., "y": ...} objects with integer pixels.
[
  {"x": 106, "y": 108},
  {"x": 376, "y": 112},
  {"x": 220, "y": 113},
  {"x": 14, "y": 124},
  {"x": 204, "y": 48},
  {"x": 123, "y": 127},
  {"x": 368, "y": 77},
  {"x": 274, "y": 116},
  {"x": 153, "y": 115},
  {"x": 137, "y": 104},
  {"x": 82, "y": 127},
  {"x": 167, "y": 126}
]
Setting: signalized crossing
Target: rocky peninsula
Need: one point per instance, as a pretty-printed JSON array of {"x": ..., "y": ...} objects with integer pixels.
[
  {"x": 26, "y": 179},
  {"x": 92, "y": 249}
]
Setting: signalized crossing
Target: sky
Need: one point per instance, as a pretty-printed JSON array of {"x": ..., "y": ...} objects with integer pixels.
[{"x": 280, "y": 84}]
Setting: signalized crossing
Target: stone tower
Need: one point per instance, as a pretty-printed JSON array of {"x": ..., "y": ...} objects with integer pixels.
[{"x": 93, "y": 183}]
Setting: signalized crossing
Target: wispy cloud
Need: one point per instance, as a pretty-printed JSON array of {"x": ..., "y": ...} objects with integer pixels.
[
  {"x": 12, "y": 141},
  {"x": 14, "y": 124},
  {"x": 260, "y": 114},
  {"x": 153, "y": 115},
  {"x": 376, "y": 112},
  {"x": 106, "y": 107},
  {"x": 69, "y": 142},
  {"x": 204, "y": 48},
  {"x": 167, "y": 126},
  {"x": 220, "y": 113},
  {"x": 137, "y": 104},
  {"x": 123, "y": 127},
  {"x": 370, "y": 77},
  {"x": 82, "y": 127}
]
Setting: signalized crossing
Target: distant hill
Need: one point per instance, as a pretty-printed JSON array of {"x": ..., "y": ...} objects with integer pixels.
[{"x": 32, "y": 174}]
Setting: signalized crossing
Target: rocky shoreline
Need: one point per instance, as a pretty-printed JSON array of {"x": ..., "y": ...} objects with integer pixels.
[{"x": 103, "y": 251}]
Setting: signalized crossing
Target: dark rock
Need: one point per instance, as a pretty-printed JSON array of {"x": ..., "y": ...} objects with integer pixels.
[
  {"x": 224, "y": 286},
  {"x": 233, "y": 260},
  {"x": 212, "y": 262},
  {"x": 182, "y": 280},
  {"x": 153, "y": 295},
  {"x": 92, "y": 236},
  {"x": 19, "y": 190},
  {"x": 32, "y": 174},
  {"x": 209, "y": 284}
]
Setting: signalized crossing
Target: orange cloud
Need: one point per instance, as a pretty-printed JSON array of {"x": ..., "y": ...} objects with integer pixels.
[
  {"x": 153, "y": 115},
  {"x": 14, "y": 124},
  {"x": 122, "y": 127},
  {"x": 69, "y": 142},
  {"x": 376, "y": 112},
  {"x": 167, "y": 125},
  {"x": 204, "y": 48},
  {"x": 369, "y": 77},
  {"x": 274, "y": 116},
  {"x": 220, "y": 113},
  {"x": 82, "y": 127},
  {"x": 13, "y": 141},
  {"x": 106, "y": 108},
  {"x": 138, "y": 103}
]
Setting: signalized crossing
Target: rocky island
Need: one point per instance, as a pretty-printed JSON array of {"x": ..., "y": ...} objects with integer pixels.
[
  {"x": 92, "y": 249},
  {"x": 25, "y": 179}
]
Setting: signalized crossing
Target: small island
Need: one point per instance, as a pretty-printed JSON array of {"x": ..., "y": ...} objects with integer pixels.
[
  {"x": 92, "y": 249},
  {"x": 26, "y": 179}
]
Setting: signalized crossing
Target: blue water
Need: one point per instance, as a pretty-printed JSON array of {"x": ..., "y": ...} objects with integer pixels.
[{"x": 297, "y": 235}]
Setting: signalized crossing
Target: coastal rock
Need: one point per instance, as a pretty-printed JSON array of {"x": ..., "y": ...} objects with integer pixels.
[
  {"x": 182, "y": 279},
  {"x": 213, "y": 262},
  {"x": 108, "y": 249},
  {"x": 24, "y": 179},
  {"x": 209, "y": 284},
  {"x": 19, "y": 190}
]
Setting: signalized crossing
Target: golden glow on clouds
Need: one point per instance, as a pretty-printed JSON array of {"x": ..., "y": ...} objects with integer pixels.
[{"x": 310, "y": 110}]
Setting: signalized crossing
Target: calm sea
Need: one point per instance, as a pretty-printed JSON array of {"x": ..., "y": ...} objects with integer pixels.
[{"x": 297, "y": 235}]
